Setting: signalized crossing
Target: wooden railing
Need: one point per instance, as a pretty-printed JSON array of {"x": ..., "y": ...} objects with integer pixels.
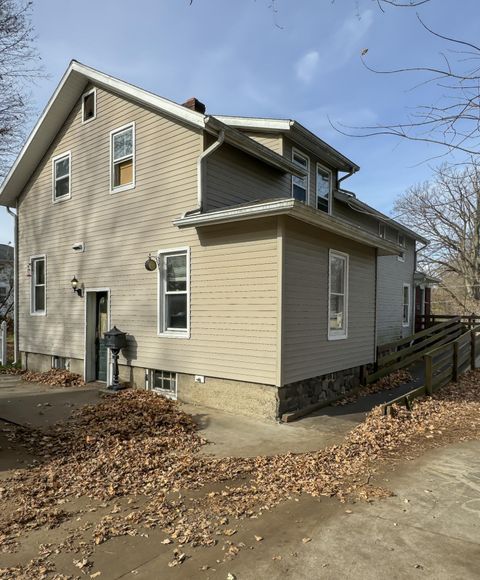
[
  {"x": 401, "y": 353},
  {"x": 423, "y": 321},
  {"x": 443, "y": 365}
]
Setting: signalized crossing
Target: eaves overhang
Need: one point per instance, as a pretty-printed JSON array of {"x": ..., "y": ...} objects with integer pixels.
[{"x": 295, "y": 209}]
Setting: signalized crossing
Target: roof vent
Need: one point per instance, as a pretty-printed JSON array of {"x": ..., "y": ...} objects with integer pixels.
[{"x": 195, "y": 105}]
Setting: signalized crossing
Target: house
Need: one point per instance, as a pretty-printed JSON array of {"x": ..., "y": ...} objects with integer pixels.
[
  {"x": 245, "y": 277},
  {"x": 6, "y": 281}
]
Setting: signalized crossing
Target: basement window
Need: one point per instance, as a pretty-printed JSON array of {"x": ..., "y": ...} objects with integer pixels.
[
  {"x": 122, "y": 146},
  {"x": 89, "y": 106},
  {"x": 59, "y": 362},
  {"x": 163, "y": 382}
]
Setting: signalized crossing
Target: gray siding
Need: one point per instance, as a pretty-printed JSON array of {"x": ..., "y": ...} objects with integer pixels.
[
  {"x": 233, "y": 177},
  {"x": 306, "y": 350},
  {"x": 392, "y": 274}
]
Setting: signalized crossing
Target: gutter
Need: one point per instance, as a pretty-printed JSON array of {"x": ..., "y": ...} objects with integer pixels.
[
  {"x": 201, "y": 172},
  {"x": 349, "y": 174},
  {"x": 15, "y": 287}
]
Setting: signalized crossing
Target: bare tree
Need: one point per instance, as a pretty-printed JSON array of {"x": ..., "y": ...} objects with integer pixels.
[
  {"x": 446, "y": 211},
  {"x": 453, "y": 121},
  {"x": 19, "y": 65}
]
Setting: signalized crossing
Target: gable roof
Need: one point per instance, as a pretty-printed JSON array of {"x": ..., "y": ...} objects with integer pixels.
[
  {"x": 298, "y": 133},
  {"x": 71, "y": 87},
  {"x": 350, "y": 199}
]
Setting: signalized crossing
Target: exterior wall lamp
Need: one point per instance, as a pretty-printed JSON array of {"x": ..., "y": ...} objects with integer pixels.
[
  {"x": 151, "y": 263},
  {"x": 76, "y": 287}
]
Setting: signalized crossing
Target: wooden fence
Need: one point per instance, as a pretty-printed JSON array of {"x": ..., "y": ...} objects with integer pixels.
[
  {"x": 444, "y": 364},
  {"x": 423, "y": 321},
  {"x": 401, "y": 353}
]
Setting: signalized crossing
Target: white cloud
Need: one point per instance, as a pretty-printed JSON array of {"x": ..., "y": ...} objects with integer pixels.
[{"x": 307, "y": 66}]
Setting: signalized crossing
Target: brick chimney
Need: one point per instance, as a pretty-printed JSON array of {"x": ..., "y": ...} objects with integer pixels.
[{"x": 195, "y": 105}]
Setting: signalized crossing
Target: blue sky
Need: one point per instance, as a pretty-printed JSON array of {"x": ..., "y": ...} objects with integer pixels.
[{"x": 240, "y": 58}]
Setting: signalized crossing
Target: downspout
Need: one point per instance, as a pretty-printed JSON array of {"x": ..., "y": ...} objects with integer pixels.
[
  {"x": 349, "y": 174},
  {"x": 201, "y": 172},
  {"x": 15, "y": 286}
]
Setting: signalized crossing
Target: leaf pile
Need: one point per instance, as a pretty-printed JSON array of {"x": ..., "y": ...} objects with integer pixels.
[
  {"x": 391, "y": 381},
  {"x": 139, "y": 445},
  {"x": 54, "y": 378}
]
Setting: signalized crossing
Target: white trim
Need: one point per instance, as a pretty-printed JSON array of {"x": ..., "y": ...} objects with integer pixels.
[
  {"x": 339, "y": 334},
  {"x": 296, "y": 151},
  {"x": 32, "y": 270},
  {"x": 54, "y": 177},
  {"x": 406, "y": 285},
  {"x": 94, "y": 91},
  {"x": 330, "y": 193},
  {"x": 114, "y": 132},
  {"x": 256, "y": 123},
  {"x": 401, "y": 255},
  {"x": 382, "y": 226},
  {"x": 109, "y": 362},
  {"x": 170, "y": 333}
]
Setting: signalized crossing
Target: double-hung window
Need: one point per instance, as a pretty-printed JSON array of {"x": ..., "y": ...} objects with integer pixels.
[
  {"x": 382, "y": 230},
  {"x": 324, "y": 188},
  {"x": 123, "y": 158},
  {"x": 300, "y": 184},
  {"x": 337, "y": 295},
  {"x": 402, "y": 243},
  {"x": 89, "y": 106},
  {"x": 406, "y": 305},
  {"x": 38, "y": 293},
  {"x": 62, "y": 176},
  {"x": 174, "y": 291}
]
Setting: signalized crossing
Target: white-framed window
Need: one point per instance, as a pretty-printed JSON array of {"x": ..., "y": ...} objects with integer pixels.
[
  {"x": 89, "y": 106},
  {"x": 60, "y": 362},
  {"x": 337, "y": 295},
  {"x": 382, "y": 230},
  {"x": 62, "y": 174},
  {"x": 163, "y": 382},
  {"x": 401, "y": 242},
  {"x": 300, "y": 184},
  {"x": 324, "y": 188},
  {"x": 38, "y": 288},
  {"x": 122, "y": 148},
  {"x": 406, "y": 305},
  {"x": 174, "y": 293}
]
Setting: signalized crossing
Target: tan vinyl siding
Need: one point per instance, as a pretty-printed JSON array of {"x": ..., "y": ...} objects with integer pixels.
[
  {"x": 273, "y": 141},
  {"x": 233, "y": 177},
  {"x": 307, "y": 352},
  {"x": 234, "y": 270}
]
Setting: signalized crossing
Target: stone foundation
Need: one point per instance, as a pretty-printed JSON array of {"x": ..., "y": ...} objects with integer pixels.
[{"x": 318, "y": 390}]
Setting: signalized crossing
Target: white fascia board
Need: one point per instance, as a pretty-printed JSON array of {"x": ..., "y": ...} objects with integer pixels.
[
  {"x": 256, "y": 123},
  {"x": 296, "y": 210}
]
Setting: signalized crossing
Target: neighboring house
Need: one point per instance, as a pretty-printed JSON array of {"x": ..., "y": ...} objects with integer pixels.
[
  {"x": 6, "y": 281},
  {"x": 244, "y": 278}
]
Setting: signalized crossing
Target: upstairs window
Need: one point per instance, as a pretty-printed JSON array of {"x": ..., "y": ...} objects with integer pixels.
[
  {"x": 38, "y": 294},
  {"x": 300, "y": 184},
  {"x": 123, "y": 158},
  {"x": 406, "y": 305},
  {"x": 174, "y": 292},
  {"x": 89, "y": 106},
  {"x": 337, "y": 295},
  {"x": 401, "y": 242},
  {"x": 324, "y": 188},
  {"x": 61, "y": 177},
  {"x": 382, "y": 230}
]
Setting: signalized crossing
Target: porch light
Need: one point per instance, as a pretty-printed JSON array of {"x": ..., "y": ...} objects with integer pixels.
[
  {"x": 76, "y": 286},
  {"x": 150, "y": 264}
]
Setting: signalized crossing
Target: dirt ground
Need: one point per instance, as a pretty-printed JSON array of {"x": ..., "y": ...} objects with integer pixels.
[{"x": 429, "y": 528}]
